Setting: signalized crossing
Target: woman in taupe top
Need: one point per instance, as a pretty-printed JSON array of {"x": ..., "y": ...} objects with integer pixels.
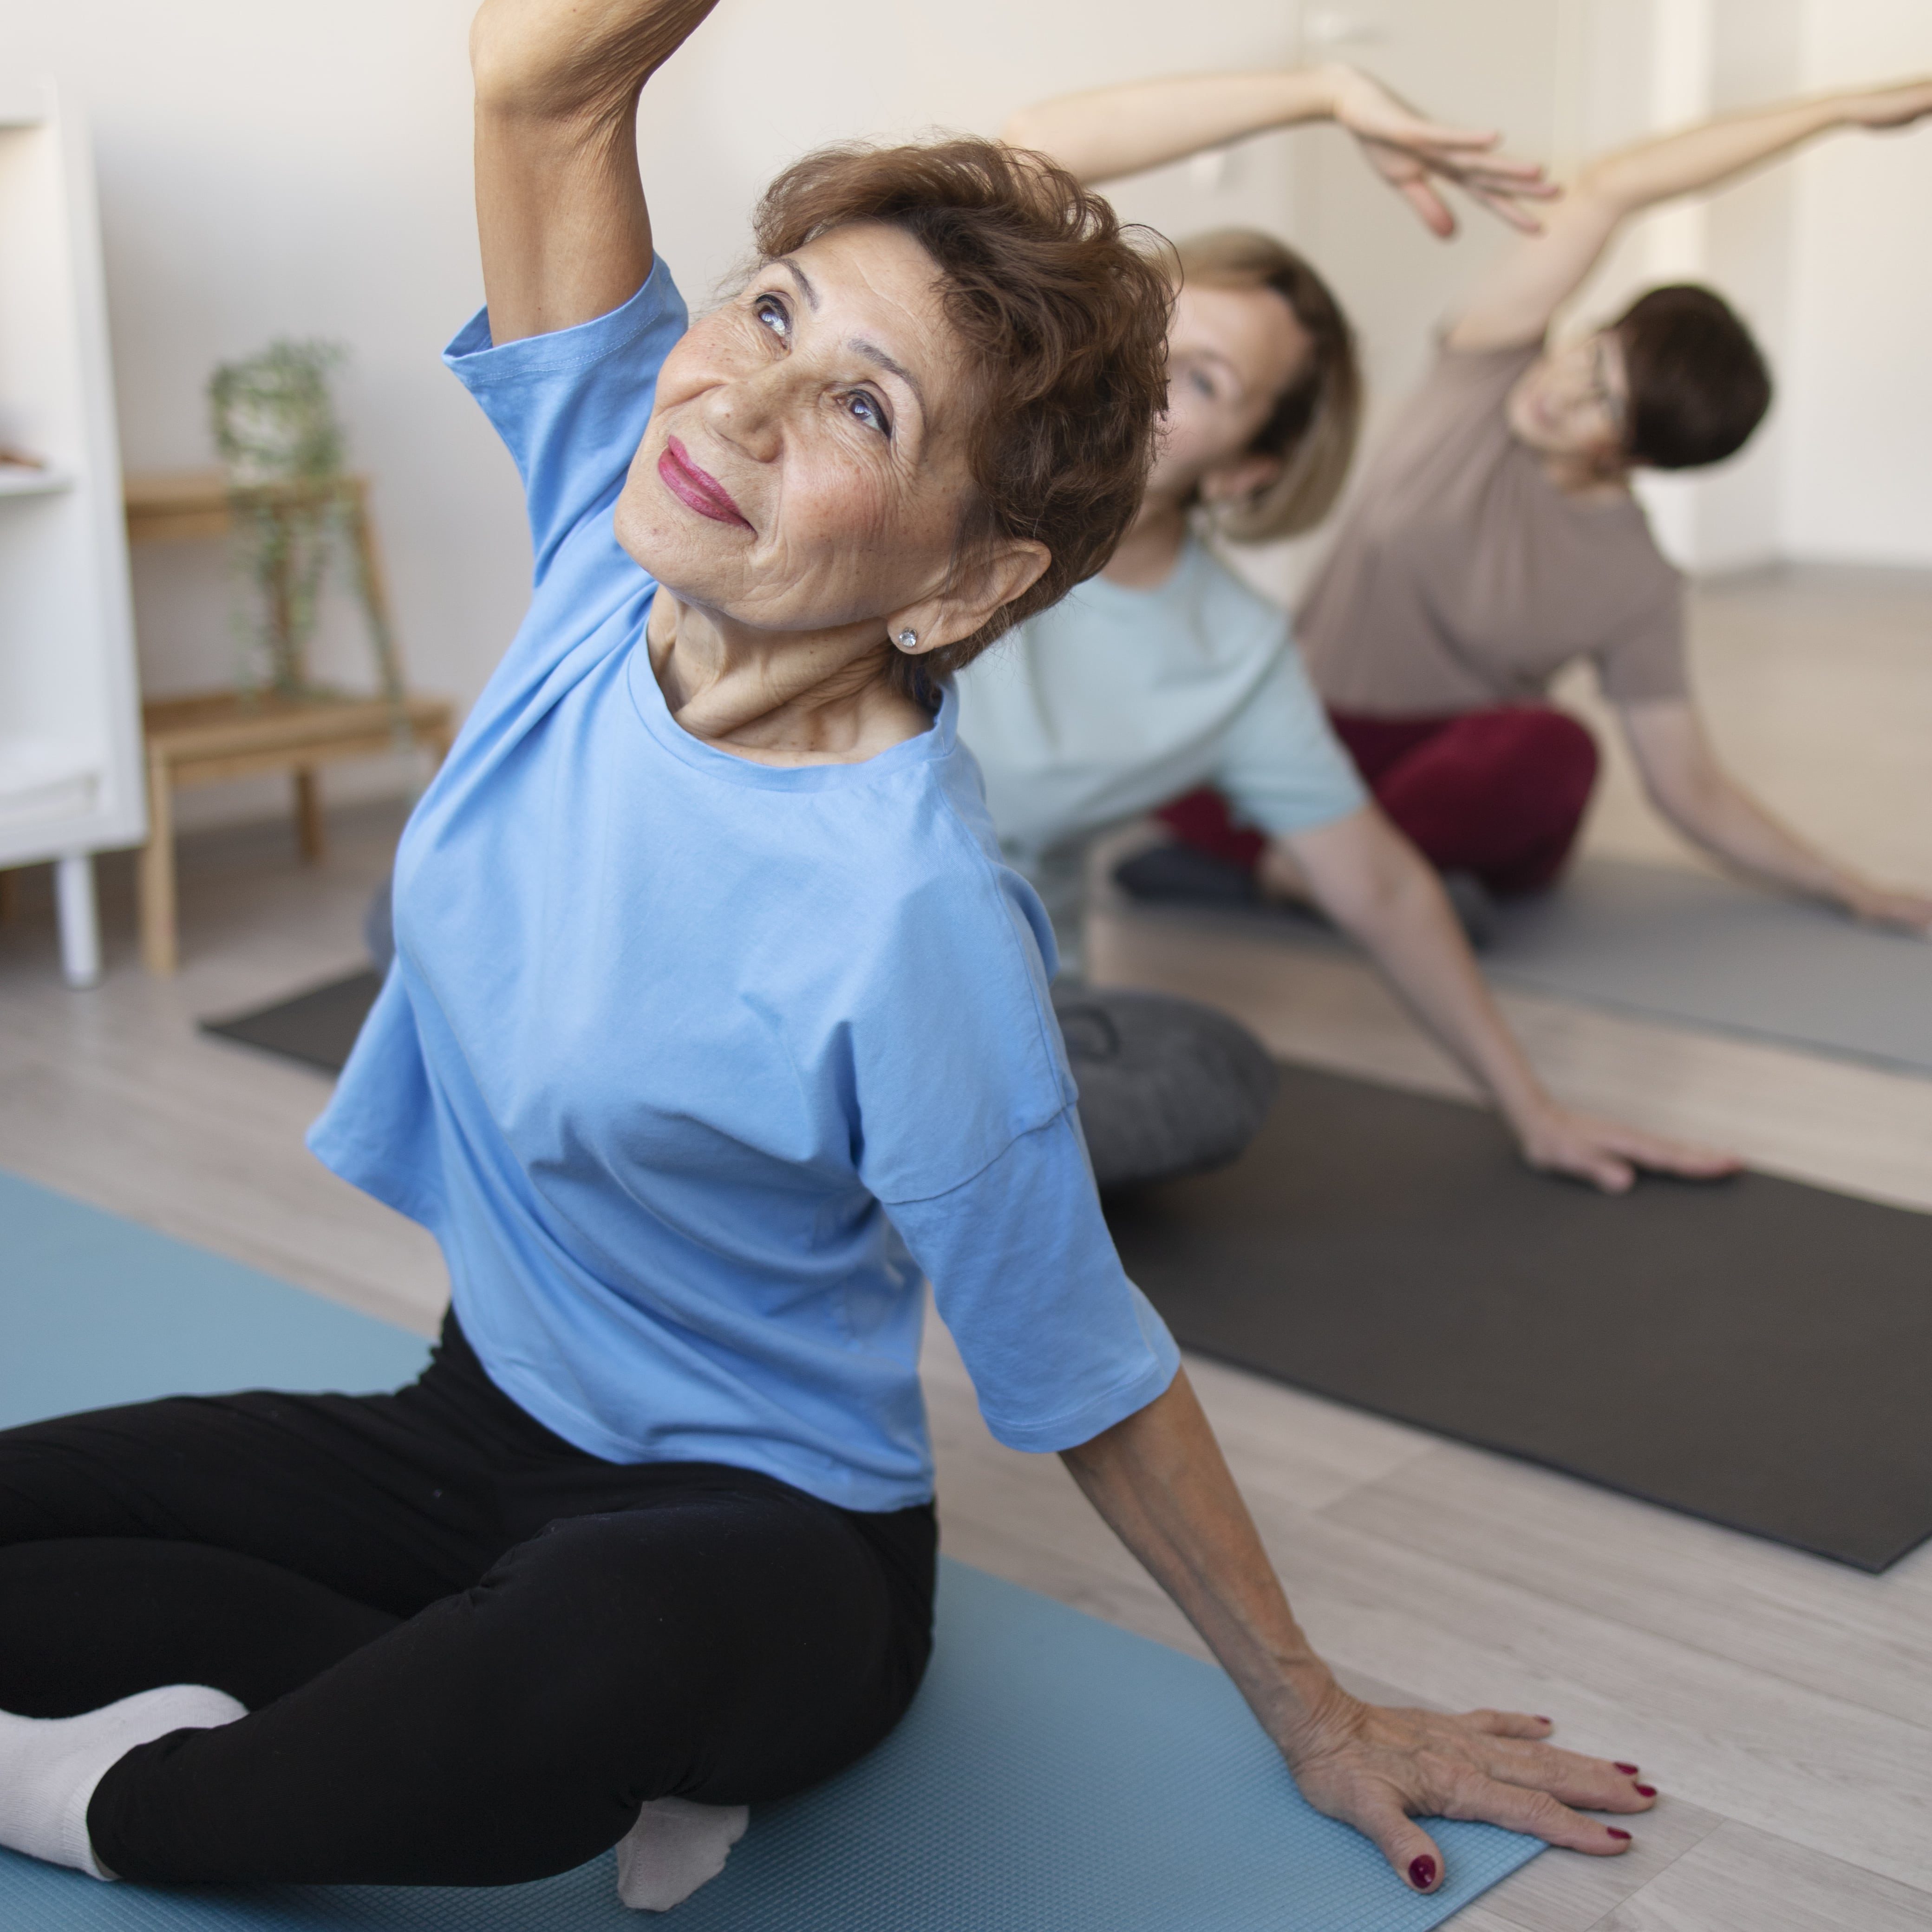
[{"x": 1496, "y": 541}]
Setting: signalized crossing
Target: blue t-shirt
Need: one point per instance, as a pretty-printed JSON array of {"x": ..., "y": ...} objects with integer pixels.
[{"x": 693, "y": 1065}]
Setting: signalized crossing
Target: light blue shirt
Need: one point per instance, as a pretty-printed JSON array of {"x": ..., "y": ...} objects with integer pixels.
[
  {"x": 693, "y": 1066},
  {"x": 1116, "y": 701}
]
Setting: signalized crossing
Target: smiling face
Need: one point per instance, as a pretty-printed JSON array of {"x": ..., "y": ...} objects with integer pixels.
[
  {"x": 1231, "y": 354},
  {"x": 1571, "y": 403},
  {"x": 805, "y": 467}
]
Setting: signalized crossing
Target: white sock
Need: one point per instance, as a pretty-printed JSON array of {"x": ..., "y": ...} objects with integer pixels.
[
  {"x": 49, "y": 1766},
  {"x": 673, "y": 1848}
]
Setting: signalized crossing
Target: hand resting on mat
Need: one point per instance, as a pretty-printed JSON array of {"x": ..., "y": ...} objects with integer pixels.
[
  {"x": 1159, "y": 1479},
  {"x": 1608, "y": 1154}
]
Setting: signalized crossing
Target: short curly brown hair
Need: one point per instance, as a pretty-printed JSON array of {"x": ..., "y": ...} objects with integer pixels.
[{"x": 1065, "y": 320}]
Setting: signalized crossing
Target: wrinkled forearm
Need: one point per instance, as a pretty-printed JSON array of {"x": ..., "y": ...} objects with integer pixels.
[{"x": 1160, "y": 1481}]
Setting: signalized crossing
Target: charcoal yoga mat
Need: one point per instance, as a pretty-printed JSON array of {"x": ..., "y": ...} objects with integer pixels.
[
  {"x": 1055, "y": 1774},
  {"x": 317, "y": 1027},
  {"x": 1693, "y": 950},
  {"x": 1752, "y": 1351}
]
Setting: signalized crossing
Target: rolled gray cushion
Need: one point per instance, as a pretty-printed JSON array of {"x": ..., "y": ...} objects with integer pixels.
[{"x": 1167, "y": 1086}]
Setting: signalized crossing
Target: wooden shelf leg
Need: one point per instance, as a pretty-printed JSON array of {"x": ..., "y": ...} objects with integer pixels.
[
  {"x": 79, "y": 928},
  {"x": 311, "y": 833},
  {"x": 156, "y": 882}
]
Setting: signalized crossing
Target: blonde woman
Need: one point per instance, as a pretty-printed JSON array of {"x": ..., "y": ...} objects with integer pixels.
[{"x": 1166, "y": 673}]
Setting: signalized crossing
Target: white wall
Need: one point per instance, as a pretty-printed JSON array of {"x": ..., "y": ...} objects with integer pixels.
[
  {"x": 1857, "y": 484},
  {"x": 267, "y": 168}
]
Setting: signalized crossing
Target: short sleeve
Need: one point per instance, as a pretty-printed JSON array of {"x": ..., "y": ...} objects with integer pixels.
[
  {"x": 1644, "y": 663},
  {"x": 571, "y": 406},
  {"x": 1281, "y": 765},
  {"x": 1059, "y": 1344}
]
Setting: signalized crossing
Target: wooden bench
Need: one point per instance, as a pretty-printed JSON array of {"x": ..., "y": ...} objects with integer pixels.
[{"x": 208, "y": 736}]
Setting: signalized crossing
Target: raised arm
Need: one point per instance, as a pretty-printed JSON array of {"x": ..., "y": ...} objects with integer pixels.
[
  {"x": 1513, "y": 304},
  {"x": 560, "y": 208},
  {"x": 1120, "y": 130}
]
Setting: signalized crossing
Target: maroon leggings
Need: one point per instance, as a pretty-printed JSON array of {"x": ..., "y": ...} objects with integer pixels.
[{"x": 1499, "y": 793}]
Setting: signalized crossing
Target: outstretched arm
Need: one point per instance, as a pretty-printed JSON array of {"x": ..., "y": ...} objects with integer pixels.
[
  {"x": 1120, "y": 130},
  {"x": 1159, "y": 1479},
  {"x": 1376, "y": 886},
  {"x": 1513, "y": 304},
  {"x": 560, "y": 209},
  {"x": 1688, "y": 784}
]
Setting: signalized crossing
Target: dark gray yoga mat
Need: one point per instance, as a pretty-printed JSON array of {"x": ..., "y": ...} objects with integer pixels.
[
  {"x": 317, "y": 1028},
  {"x": 1754, "y": 1352},
  {"x": 1690, "y": 949},
  {"x": 1705, "y": 952}
]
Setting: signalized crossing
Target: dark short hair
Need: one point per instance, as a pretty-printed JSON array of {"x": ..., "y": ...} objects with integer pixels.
[
  {"x": 1698, "y": 384},
  {"x": 1063, "y": 320}
]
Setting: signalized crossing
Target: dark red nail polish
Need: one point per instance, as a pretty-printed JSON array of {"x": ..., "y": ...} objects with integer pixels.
[
  {"x": 1614, "y": 1833},
  {"x": 1550, "y": 1721},
  {"x": 1646, "y": 1791},
  {"x": 1422, "y": 1873},
  {"x": 1628, "y": 1770}
]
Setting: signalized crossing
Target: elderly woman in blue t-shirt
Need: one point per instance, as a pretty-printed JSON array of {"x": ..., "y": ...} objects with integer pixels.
[{"x": 715, "y": 1023}]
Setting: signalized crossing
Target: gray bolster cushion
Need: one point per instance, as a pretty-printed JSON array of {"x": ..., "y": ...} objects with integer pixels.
[{"x": 1167, "y": 1086}]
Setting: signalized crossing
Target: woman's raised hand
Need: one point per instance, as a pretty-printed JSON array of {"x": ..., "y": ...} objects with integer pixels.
[
  {"x": 1379, "y": 1769},
  {"x": 1416, "y": 157},
  {"x": 1890, "y": 106}
]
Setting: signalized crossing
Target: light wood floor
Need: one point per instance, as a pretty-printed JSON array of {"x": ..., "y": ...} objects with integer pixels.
[{"x": 1784, "y": 1704}]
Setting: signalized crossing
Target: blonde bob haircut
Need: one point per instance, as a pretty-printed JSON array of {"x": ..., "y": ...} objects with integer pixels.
[{"x": 1315, "y": 425}]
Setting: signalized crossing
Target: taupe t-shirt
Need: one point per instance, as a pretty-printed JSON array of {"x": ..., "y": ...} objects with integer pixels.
[{"x": 1463, "y": 578}]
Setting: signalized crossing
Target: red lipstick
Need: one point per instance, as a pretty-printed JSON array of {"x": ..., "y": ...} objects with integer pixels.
[{"x": 695, "y": 488}]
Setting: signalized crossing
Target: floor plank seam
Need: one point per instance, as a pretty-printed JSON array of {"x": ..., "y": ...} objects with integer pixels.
[{"x": 1692, "y": 1646}]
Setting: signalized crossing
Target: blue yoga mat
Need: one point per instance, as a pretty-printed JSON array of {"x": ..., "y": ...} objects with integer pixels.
[
  {"x": 1055, "y": 1774},
  {"x": 95, "y": 1310}
]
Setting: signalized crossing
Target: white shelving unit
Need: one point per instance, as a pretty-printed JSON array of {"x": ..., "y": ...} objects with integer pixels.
[{"x": 70, "y": 755}]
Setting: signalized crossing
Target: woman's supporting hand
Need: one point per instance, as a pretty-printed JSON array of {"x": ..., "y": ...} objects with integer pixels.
[
  {"x": 1159, "y": 1479},
  {"x": 1378, "y": 1768},
  {"x": 1417, "y": 158},
  {"x": 1882, "y": 905},
  {"x": 1608, "y": 1155}
]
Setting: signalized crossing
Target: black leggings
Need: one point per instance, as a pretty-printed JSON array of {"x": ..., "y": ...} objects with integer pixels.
[{"x": 469, "y": 1650}]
